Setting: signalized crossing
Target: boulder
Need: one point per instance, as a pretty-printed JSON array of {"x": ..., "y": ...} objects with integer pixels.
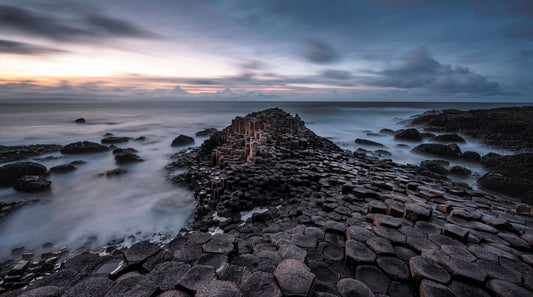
[
  {"x": 31, "y": 183},
  {"x": 83, "y": 147},
  {"x": 460, "y": 171},
  {"x": 471, "y": 157},
  {"x": 436, "y": 166},
  {"x": 387, "y": 131},
  {"x": 367, "y": 142},
  {"x": 449, "y": 138},
  {"x": 80, "y": 121},
  {"x": 206, "y": 132},
  {"x": 182, "y": 140},
  {"x": 512, "y": 186},
  {"x": 127, "y": 158},
  {"x": 9, "y": 173},
  {"x": 408, "y": 135},
  {"x": 119, "y": 151},
  {"x": 439, "y": 150},
  {"x": 519, "y": 165}
]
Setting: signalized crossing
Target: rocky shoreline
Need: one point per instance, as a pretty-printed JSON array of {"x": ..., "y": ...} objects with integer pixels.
[{"x": 284, "y": 212}]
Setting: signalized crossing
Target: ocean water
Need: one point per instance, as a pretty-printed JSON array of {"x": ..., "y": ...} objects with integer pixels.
[{"x": 83, "y": 209}]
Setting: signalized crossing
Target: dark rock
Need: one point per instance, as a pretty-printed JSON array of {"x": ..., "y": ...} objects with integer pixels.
[
  {"x": 91, "y": 287},
  {"x": 187, "y": 252},
  {"x": 174, "y": 293},
  {"x": 127, "y": 158},
  {"x": 408, "y": 135},
  {"x": 114, "y": 139},
  {"x": 45, "y": 291},
  {"x": 31, "y": 183},
  {"x": 136, "y": 285},
  {"x": 359, "y": 233},
  {"x": 85, "y": 262},
  {"x": 373, "y": 277},
  {"x": 357, "y": 253},
  {"x": 65, "y": 168},
  {"x": 218, "y": 288},
  {"x": 9, "y": 173},
  {"x": 139, "y": 252},
  {"x": 80, "y": 121},
  {"x": 221, "y": 244},
  {"x": 387, "y": 131},
  {"x": 449, "y": 138},
  {"x": 367, "y": 142},
  {"x": 422, "y": 267},
  {"x": 84, "y": 147},
  {"x": 394, "y": 268},
  {"x": 140, "y": 138},
  {"x": 380, "y": 246},
  {"x": 20, "y": 152},
  {"x": 501, "y": 288},
  {"x": 471, "y": 157},
  {"x": 435, "y": 166},
  {"x": 294, "y": 278},
  {"x": 462, "y": 269},
  {"x": 206, "y": 132},
  {"x": 331, "y": 252},
  {"x": 438, "y": 150},
  {"x": 432, "y": 289},
  {"x": 519, "y": 165},
  {"x": 513, "y": 186},
  {"x": 460, "y": 171},
  {"x": 196, "y": 277},
  {"x": 455, "y": 231},
  {"x": 182, "y": 140},
  {"x": 465, "y": 289},
  {"x": 261, "y": 284},
  {"x": 167, "y": 274},
  {"x": 415, "y": 212},
  {"x": 349, "y": 287},
  {"x": 119, "y": 151},
  {"x": 114, "y": 172}
]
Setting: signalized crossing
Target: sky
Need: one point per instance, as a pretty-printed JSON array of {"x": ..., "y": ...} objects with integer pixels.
[{"x": 353, "y": 50}]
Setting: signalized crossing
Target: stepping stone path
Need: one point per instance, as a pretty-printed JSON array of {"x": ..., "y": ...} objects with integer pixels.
[{"x": 330, "y": 224}]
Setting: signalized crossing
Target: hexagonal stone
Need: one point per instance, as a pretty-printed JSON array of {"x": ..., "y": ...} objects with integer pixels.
[
  {"x": 455, "y": 231},
  {"x": 483, "y": 253},
  {"x": 427, "y": 228},
  {"x": 419, "y": 244},
  {"x": 400, "y": 289},
  {"x": 294, "y": 278},
  {"x": 422, "y": 267},
  {"x": 304, "y": 241},
  {"x": 45, "y": 291},
  {"x": 314, "y": 232},
  {"x": 515, "y": 241},
  {"x": 331, "y": 252},
  {"x": 373, "y": 277},
  {"x": 440, "y": 240},
  {"x": 394, "y": 268},
  {"x": 261, "y": 284},
  {"x": 173, "y": 293},
  {"x": 414, "y": 212},
  {"x": 357, "y": 253},
  {"x": 198, "y": 237},
  {"x": 217, "y": 261},
  {"x": 137, "y": 285},
  {"x": 435, "y": 255},
  {"x": 140, "y": 251},
  {"x": 349, "y": 287},
  {"x": 501, "y": 288},
  {"x": 187, "y": 252},
  {"x": 404, "y": 253},
  {"x": 411, "y": 232},
  {"x": 380, "y": 246},
  {"x": 359, "y": 233},
  {"x": 387, "y": 221},
  {"x": 323, "y": 272},
  {"x": 376, "y": 206},
  {"x": 218, "y": 288},
  {"x": 495, "y": 270},
  {"x": 335, "y": 227},
  {"x": 394, "y": 208},
  {"x": 464, "y": 270},
  {"x": 458, "y": 252},
  {"x": 432, "y": 289},
  {"x": 389, "y": 233},
  {"x": 166, "y": 275},
  {"x": 220, "y": 244},
  {"x": 91, "y": 287},
  {"x": 195, "y": 278},
  {"x": 465, "y": 289},
  {"x": 291, "y": 251}
]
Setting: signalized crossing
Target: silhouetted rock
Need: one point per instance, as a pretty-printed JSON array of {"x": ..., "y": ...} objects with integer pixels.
[
  {"x": 471, "y": 157},
  {"x": 114, "y": 139},
  {"x": 114, "y": 172},
  {"x": 439, "y": 150},
  {"x": 19, "y": 152},
  {"x": 436, "y": 166},
  {"x": 387, "y": 131},
  {"x": 449, "y": 138},
  {"x": 65, "y": 168},
  {"x": 119, "y": 151},
  {"x": 460, "y": 171},
  {"x": 513, "y": 186},
  {"x": 9, "y": 173},
  {"x": 408, "y": 135},
  {"x": 80, "y": 121},
  {"x": 83, "y": 147},
  {"x": 127, "y": 158},
  {"x": 182, "y": 140},
  {"x": 367, "y": 142},
  {"x": 31, "y": 183}
]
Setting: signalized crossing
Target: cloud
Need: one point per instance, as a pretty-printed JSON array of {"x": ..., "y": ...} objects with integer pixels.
[
  {"x": 337, "y": 74},
  {"x": 318, "y": 52},
  {"x": 78, "y": 28},
  {"x": 420, "y": 70},
  {"x": 179, "y": 91},
  {"x": 22, "y": 48}
]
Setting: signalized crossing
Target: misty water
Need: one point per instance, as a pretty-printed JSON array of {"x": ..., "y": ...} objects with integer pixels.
[{"x": 84, "y": 209}]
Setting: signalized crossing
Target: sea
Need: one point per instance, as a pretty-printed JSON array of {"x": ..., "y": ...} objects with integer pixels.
[{"x": 84, "y": 211}]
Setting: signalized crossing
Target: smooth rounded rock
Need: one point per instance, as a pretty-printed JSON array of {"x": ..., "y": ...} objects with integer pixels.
[
  {"x": 83, "y": 147},
  {"x": 10, "y": 172}
]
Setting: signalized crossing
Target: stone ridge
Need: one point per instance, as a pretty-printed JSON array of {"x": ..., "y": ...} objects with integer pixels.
[{"x": 330, "y": 224}]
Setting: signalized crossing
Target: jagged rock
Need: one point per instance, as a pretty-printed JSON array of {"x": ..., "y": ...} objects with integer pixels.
[
  {"x": 20, "y": 152},
  {"x": 221, "y": 244},
  {"x": 182, "y": 140},
  {"x": 83, "y": 147},
  {"x": 31, "y": 183},
  {"x": 139, "y": 252},
  {"x": 9, "y": 173},
  {"x": 408, "y": 135}
]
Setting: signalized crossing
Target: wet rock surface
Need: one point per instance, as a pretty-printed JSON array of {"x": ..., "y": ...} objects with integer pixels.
[
  {"x": 83, "y": 147},
  {"x": 19, "y": 152},
  {"x": 182, "y": 140},
  {"x": 297, "y": 216},
  {"x": 11, "y": 172}
]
